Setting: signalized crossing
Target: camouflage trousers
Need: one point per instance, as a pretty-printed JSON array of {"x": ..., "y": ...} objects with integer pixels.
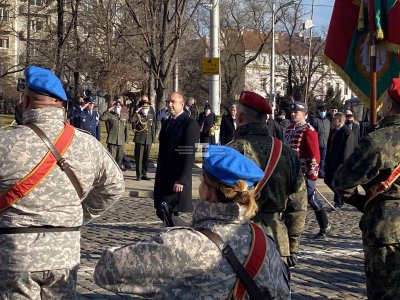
[
  {"x": 54, "y": 284},
  {"x": 382, "y": 271}
]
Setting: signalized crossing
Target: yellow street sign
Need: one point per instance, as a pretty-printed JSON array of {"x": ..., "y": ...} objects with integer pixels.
[{"x": 210, "y": 66}]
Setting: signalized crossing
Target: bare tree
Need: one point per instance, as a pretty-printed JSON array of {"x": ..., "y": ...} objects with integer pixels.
[
  {"x": 293, "y": 51},
  {"x": 238, "y": 51},
  {"x": 160, "y": 25}
]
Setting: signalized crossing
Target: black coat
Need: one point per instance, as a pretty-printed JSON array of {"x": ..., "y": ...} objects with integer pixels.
[
  {"x": 205, "y": 123},
  {"x": 323, "y": 128},
  {"x": 175, "y": 160},
  {"x": 227, "y": 129},
  {"x": 355, "y": 127},
  {"x": 340, "y": 147}
]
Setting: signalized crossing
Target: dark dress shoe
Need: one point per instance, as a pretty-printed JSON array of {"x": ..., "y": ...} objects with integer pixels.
[{"x": 144, "y": 177}]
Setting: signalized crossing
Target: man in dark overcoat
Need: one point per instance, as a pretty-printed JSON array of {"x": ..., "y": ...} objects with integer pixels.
[
  {"x": 178, "y": 136},
  {"x": 339, "y": 148},
  {"x": 228, "y": 126}
]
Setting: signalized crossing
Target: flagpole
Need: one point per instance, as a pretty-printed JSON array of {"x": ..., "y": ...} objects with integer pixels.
[{"x": 373, "y": 79}]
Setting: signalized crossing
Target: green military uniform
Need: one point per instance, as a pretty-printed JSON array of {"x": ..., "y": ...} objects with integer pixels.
[
  {"x": 118, "y": 133},
  {"x": 144, "y": 126},
  {"x": 372, "y": 163},
  {"x": 283, "y": 200}
]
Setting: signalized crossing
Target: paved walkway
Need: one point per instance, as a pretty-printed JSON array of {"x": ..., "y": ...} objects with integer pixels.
[{"x": 330, "y": 269}]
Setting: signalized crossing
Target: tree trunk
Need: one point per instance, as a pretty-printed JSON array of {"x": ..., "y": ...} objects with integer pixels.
[{"x": 60, "y": 38}]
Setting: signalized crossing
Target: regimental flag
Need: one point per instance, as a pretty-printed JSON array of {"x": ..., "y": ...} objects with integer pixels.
[
  {"x": 384, "y": 19},
  {"x": 347, "y": 46}
]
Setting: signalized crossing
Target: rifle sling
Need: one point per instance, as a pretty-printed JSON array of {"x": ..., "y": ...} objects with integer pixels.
[
  {"x": 64, "y": 166},
  {"x": 226, "y": 250}
]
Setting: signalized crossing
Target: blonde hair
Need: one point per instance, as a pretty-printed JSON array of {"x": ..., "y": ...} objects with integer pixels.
[{"x": 238, "y": 193}]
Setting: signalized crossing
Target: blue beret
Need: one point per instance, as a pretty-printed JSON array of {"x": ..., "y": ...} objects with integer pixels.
[
  {"x": 227, "y": 166},
  {"x": 42, "y": 81}
]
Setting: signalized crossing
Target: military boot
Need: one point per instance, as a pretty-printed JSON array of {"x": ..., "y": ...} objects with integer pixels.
[{"x": 324, "y": 225}]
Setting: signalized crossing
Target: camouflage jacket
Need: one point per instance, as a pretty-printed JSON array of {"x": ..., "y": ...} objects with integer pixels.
[
  {"x": 182, "y": 263},
  {"x": 54, "y": 202},
  {"x": 283, "y": 200},
  {"x": 375, "y": 158}
]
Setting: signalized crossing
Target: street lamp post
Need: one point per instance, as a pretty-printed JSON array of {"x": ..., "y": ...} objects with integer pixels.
[
  {"x": 214, "y": 80},
  {"x": 273, "y": 61},
  {"x": 308, "y": 79}
]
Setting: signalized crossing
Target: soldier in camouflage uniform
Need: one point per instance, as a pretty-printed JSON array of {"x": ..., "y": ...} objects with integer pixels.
[
  {"x": 375, "y": 165},
  {"x": 181, "y": 262},
  {"x": 43, "y": 264},
  {"x": 283, "y": 200}
]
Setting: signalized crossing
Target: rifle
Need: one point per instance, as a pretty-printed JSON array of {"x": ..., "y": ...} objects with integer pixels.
[{"x": 169, "y": 206}]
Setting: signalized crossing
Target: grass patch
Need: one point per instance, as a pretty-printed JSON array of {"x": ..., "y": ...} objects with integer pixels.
[{"x": 6, "y": 120}]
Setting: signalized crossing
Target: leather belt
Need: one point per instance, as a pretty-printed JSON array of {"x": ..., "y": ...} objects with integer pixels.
[{"x": 36, "y": 229}]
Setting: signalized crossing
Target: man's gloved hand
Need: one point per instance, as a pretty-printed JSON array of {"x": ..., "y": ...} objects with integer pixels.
[{"x": 292, "y": 260}]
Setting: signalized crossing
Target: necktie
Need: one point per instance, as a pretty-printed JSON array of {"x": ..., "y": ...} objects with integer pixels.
[{"x": 171, "y": 123}]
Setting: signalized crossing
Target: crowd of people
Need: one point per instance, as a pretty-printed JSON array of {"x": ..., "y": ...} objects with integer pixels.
[{"x": 246, "y": 227}]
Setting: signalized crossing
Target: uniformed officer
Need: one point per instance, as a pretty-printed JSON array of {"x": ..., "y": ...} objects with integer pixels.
[
  {"x": 87, "y": 118},
  {"x": 375, "y": 165},
  {"x": 144, "y": 126},
  {"x": 303, "y": 139},
  {"x": 182, "y": 263},
  {"x": 283, "y": 201},
  {"x": 41, "y": 210},
  {"x": 118, "y": 130}
]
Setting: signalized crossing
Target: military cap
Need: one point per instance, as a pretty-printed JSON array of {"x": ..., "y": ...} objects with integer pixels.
[
  {"x": 255, "y": 101},
  {"x": 299, "y": 106},
  {"x": 88, "y": 99},
  {"x": 394, "y": 90},
  {"x": 42, "y": 81},
  {"x": 348, "y": 112},
  {"x": 282, "y": 113},
  {"x": 227, "y": 166}
]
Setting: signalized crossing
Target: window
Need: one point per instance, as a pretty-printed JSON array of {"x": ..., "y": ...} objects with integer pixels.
[
  {"x": 87, "y": 6},
  {"x": 36, "y": 25},
  {"x": 3, "y": 68},
  {"x": 4, "y": 15},
  {"x": 32, "y": 51},
  {"x": 4, "y": 42},
  {"x": 36, "y": 2},
  {"x": 264, "y": 84}
]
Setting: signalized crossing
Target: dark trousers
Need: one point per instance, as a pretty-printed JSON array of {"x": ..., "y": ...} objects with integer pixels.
[
  {"x": 313, "y": 200},
  {"x": 322, "y": 152},
  {"x": 142, "y": 153},
  {"x": 117, "y": 152}
]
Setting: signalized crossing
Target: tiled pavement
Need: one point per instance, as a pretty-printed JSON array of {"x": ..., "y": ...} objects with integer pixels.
[{"x": 330, "y": 269}]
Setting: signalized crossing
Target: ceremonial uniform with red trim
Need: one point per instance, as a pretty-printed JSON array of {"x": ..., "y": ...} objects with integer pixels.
[
  {"x": 303, "y": 139},
  {"x": 182, "y": 263}
]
